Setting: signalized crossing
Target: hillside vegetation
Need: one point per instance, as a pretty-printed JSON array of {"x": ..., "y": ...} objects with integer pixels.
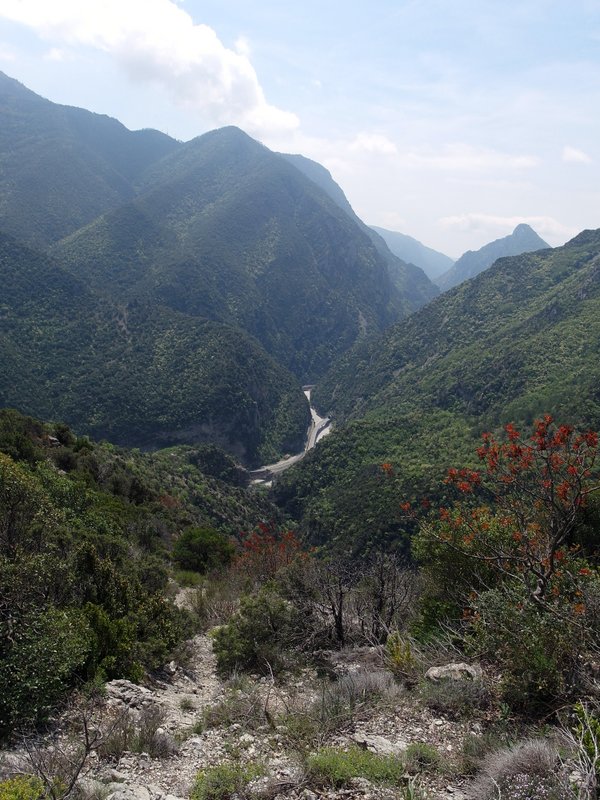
[
  {"x": 517, "y": 341},
  {"x": 86, "y": 532},
  {"x": 139, "y": 374},
  {"x": 225, "y": 229}
]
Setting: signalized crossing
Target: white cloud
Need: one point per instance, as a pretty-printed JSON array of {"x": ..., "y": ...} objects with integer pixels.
[
  {"x": 242, "y": 46},
  {"x": 465, "y": 157},
  {"x": 373, "y": 143},
  {"x": 157, "y": 41},
  {"x": 58, "y": 54},
  {"x": 574, "y": 156},
  {"x": 7, "y": 53},
  {"x": 497, "y": 225}
]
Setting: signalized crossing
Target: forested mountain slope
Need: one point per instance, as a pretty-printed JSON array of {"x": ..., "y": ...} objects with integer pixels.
[
  {"x": 60, "y": 167},
  {"x": 226, "y": 229},
  {"x": 519, "y": 340},
  {"x": 410, "y": 279},
  {"x": 140, "y": 374}
]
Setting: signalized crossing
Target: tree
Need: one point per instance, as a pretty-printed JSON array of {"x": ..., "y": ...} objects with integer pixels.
[
  {"x": 535, "y": 489},
  {"x": 202, "y": 550},
  {"x": 507, "y": 547}
]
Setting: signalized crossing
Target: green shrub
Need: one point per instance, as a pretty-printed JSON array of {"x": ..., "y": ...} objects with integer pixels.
[
  {"x": 535, "y": 651},
  {"x": 202, "y": 550},
  {"x": 262, "y": 635},
  {"x": 399, "y": 657},
  {"x": 23, "y": 787},
  {"x": 333, "y": 767},
  {"x": 455, "y": 698},
  {"x": 420, "y": 756},
  {"x": 47, "y": 649},
  {"x": 225, "y": 781}
]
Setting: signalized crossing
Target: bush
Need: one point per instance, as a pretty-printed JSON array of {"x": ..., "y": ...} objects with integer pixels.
[
  {"x": 137, "y": 735},
  {"x": 202, "y": 550},
  {"x": 225, "y": 781},
  {"x": 262, "y": 635},
  {"x": 399, "y": 657},
  {"x": 333, "y": 767},
  {"x": 23, "y": 787},
  {"x": 455, "y": 698},
  {"x": 420, "y": 756},
  {"x": 475, "y": 748},
  {"x": 536, "y": 653},
  {"x": 47, "y": 649},
  {"x": 237, "y": 707},
  {"x": 530, "y": 770}
]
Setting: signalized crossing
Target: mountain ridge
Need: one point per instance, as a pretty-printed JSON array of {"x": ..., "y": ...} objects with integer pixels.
[
  {"x": 411, "y": 250},
  {"x": 523, "y": 239}
]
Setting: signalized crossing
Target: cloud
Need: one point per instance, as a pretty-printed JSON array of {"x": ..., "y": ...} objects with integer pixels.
[
  {"x": 499, "y": 225},
  {"x": 58, "y": 54},
  {"x": 465, "y": 157},
  {"x": 373, "y": 143},
  {"x": 574, "y": 156},
  {"x": 7, "y": 53},
  {"x": 157, "y": 41}
]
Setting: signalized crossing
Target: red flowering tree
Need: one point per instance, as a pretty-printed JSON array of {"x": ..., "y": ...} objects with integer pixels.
[
  {"x": 517, "y": 514},
  {"x": 504, "y": 551},
  {"x": 265, "y": 551}
]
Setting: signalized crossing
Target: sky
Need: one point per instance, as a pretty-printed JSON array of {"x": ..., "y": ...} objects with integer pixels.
[{"x": 449, "y": 120}]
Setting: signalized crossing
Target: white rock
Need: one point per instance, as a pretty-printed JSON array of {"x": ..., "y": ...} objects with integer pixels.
[
  {"x": 453, "y": 672},
  {"x": 379, "y": 745}
]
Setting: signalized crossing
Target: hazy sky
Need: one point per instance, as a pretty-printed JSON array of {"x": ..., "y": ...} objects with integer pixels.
[{"x": 450, "y": 120}]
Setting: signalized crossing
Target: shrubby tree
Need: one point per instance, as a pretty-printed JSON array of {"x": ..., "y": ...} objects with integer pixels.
[
  {"x": 508, "y": 547},
  {"x": 202, "y": 550}
]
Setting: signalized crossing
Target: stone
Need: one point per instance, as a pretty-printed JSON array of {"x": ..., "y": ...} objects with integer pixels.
[
  {"x": 115, "y": 776},
  {"x": 130, "y": 792},
  {"x": 128, "y": 693},
  {"x": 89, "y": 787},
  {"x": 378, "y": 744},
  {"x": 453, "y": 672}
]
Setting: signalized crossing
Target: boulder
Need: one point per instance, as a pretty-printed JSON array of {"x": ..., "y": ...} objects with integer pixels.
[
  {"x": 379, "y": 744},
  {"x": 453, "y": 672}
]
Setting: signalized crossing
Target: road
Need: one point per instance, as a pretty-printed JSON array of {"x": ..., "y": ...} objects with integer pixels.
[{"x": 318, "y": 428}]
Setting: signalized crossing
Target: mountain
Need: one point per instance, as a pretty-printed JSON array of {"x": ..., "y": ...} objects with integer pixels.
[
  {"x": 225, "y": 229},
  {"x": 522, "y": 240},
  {"x": 140, "y": 374},
  {"x": 410, "y": 279},
  {"x": 186, "y": 281},
  {"x": 519, "y": 340},
  {"x": 60, "y": 167},
  {"x": 432, "y": 262}
]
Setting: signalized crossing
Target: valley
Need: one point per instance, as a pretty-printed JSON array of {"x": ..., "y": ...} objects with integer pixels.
[
  {"x": 290, "y": 506},
  {"x": 319, "y": 427}
]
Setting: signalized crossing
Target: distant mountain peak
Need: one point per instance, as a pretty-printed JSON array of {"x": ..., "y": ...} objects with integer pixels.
[{"x": 523, "y": 239}]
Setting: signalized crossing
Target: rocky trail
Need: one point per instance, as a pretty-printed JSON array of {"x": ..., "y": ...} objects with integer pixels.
[{"x": 201, "y": 721}]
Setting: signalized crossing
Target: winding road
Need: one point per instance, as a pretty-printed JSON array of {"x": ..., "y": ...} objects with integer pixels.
[{"x": 318, "y": 428}]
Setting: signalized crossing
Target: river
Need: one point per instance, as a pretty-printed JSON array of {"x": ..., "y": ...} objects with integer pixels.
[{"x": 318, "y": 428}]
